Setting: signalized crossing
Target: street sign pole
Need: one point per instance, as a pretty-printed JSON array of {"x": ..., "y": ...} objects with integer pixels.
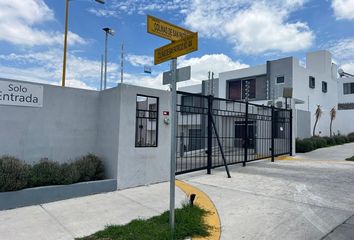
[{"x": 173, "y": 142}]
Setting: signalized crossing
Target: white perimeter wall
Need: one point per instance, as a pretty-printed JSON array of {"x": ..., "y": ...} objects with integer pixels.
[{"x": 142, "y": 165}]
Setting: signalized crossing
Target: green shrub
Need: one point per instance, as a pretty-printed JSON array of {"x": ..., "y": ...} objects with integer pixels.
[
  {"x": 340, "y": 139},
  {"x": 319, "y": 142},
  {"x": 45, "y": 172},
  {"x": 330, "y": 141},
  {"x": 351, "y": 137},
  {"x": 69, "y": 173},
  {"x": 304, "y": 145},
  {"x": 13, "y": 174},
  {"x": 90, "y": 167}
]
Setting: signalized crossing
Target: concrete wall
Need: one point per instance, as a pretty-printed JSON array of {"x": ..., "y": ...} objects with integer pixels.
[
  {"x": 63, "y": 129},
  {"x": 142, "y": 165},
  {"x": 74, "y": 122},
  {"x": 280, "y": 68},
  {"x": 314, "y": 97},
  {"x": 303, "y": 128},
  {"x": 108, "y": 126}
]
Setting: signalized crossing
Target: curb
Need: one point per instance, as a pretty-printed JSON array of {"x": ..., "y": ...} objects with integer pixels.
[{"x": 203, "y": 201}]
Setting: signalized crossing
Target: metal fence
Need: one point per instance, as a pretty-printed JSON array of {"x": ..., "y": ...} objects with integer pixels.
[{"x": 214, "y": 131}]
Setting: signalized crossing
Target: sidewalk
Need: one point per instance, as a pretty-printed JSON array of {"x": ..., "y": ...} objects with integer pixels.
[
  {"x": 65, "y": 220},
  {"x": 337, "y": 153}
]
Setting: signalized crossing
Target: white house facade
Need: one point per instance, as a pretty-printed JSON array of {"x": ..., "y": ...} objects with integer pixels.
[{"x": 315, "y": 84}]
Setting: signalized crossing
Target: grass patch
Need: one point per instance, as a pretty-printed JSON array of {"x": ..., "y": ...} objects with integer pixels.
[
  {"x": 350, "y": 159},
  {"x": 189, "y": 222}
]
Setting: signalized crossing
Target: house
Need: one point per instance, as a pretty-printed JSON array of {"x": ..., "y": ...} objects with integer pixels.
[{"x": 311, "y": 85}]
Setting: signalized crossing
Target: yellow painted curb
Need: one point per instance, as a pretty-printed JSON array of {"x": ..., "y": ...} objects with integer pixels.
[
  {"x": 286, "y": 158},
  {"x": 203, "y": 201}
]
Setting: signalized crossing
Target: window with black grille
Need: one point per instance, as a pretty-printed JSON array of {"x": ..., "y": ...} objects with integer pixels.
[
  {"x": 146, "y": 128},
  {"x": 348, "y": 88},
  {"x": 312, "y": 82},
  {"x": 324, "y": 86}
]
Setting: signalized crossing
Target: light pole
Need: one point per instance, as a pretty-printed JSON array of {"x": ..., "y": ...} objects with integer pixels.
[
  {"x": 110, "y": 32},
  {"x": 66, "y": 38}
]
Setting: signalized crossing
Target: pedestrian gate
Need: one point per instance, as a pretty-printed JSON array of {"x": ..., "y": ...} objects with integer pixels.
[{"x": 214, "y": 132}]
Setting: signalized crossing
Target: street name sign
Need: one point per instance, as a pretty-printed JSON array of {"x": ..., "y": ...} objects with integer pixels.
[
  {"x": 165, "y": 29},
  {"x": 176, "y": 49},
  {"x": 183, "y": 74}
]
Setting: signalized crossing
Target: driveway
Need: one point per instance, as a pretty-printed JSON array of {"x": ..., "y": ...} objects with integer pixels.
[{"x": 287, "y": 199}]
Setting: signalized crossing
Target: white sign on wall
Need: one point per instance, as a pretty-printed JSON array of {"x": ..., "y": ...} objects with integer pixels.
[{"x": 21, "y": 94}]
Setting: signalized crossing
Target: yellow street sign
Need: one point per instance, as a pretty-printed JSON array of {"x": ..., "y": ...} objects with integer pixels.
[
  {"x": 165, "y": 29},
  {"x": 176, "y": 49}
]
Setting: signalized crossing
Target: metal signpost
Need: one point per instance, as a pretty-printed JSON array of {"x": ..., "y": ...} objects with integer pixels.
[{"x": 183, "y": 42}]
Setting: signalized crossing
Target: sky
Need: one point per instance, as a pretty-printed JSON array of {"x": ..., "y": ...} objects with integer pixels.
[{"x": 233, "y": 34}]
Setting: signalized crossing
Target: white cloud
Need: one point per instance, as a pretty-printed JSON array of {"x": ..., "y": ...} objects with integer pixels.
[
  {"x": 210, "y": 62},
  {"x": 199, "y": 65},
  {"x": 139, "y": 60},
  {"x": 343, "y": 53},
  {"x": 19, "y": 21},
  {"x": 251, "y": 26},
  {"x": 343, "y": 9},
  {"x": 46, "y": 67},
  {"x": 117, "y": 8}
]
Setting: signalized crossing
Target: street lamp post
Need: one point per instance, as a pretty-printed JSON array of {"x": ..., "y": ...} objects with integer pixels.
[
  {"x": 110, "y": 32},
  {"x": 66, "y": 39}
]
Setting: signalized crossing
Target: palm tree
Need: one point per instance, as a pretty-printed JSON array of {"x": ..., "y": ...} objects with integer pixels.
[
  {"x": 333, "y": 114},
  {"x": 318, "y": 115}
]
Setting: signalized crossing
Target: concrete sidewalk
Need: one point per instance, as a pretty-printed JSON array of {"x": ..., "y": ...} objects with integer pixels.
[
  {"x": 83, "y": 216},
  {"x": 337, "y": 153}
]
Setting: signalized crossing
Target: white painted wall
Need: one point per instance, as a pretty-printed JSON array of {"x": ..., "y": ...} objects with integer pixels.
[
  {"x": 142, "y": 165},
  {"x": 348, "y": 98},
  {"x": 314, "y": 97}
]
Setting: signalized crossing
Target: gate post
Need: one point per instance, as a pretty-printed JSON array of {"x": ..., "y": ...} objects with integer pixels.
[
  {"x": 273, "y": 133},
  {"x": 210, "y": 133},
  {"x": 246, "y": 140},
  {"x": 291, "y": 132}
]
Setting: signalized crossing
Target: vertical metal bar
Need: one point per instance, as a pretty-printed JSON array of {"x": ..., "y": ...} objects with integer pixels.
[
  {"x": 122, "y": 64},
  {"x": 173, "y": 143},
  {"x": 101, "y": 84},
  {"x": 246, "y": 140},
  {"x": 291, "y": 132},
  {"x": 65, "y": 42},
  {"x": 105, "y": 61},
  {"x": 210, "y": 134},
  {"x": 273, "y": 133}
]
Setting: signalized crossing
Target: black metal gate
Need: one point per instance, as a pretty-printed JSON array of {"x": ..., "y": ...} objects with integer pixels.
[{"x": 213, "y": 131}]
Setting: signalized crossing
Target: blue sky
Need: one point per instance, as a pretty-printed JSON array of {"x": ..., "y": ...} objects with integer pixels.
[{"x": 232, "y": 34}]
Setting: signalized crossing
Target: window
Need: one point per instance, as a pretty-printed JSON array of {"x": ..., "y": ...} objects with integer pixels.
[
  {"x": 237, "y": 89},
  {"x": 146, "y": 128},
  {"x": 280, "y": 79},
  {"x": 312, "y": 82},
  {"x": 348, "y": 88},
  {"x": 192, "y": 104},
  {"x": 324, "y": 86}
]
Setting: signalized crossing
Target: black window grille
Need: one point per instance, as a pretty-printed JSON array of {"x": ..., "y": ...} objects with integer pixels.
[
  {"x": 280, "y": 79},
  {"x": 324, "y": 87},
  {"x": 146, "y": 128},
  {"x": 348, "y": 88},
  {"x": 312, "y": 82}
]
